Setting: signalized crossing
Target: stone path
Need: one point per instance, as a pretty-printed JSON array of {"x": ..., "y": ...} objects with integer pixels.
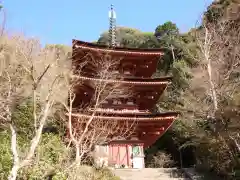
[{"x": 150, "y": 174}]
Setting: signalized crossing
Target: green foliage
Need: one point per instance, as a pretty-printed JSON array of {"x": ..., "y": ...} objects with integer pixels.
[
  {"x": 172, "y": 98},
  {"x": 51, "y": 149},
  {"x": 168, "y": 29},
  {"x": 177, "y": 46},
  {"x": 181, "y": 75},
  {"x": 149, "y": 41},
  {"x": 214, "y": 154},
  {"x": 59, "y": 176},
  {"x": 90, "y": 173},
  {"x": 126, "y": 37},
  {"x": 23, "y": 119},
  {"x": 50, "y": 156},
  {"x": 106, "y": 174},
  {"x": 5, "y": 154},
  {"x": 159, "y": 160}
]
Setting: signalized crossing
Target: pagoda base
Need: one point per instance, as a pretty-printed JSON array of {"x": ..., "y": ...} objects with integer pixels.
[{"x": 121, "y": 154}]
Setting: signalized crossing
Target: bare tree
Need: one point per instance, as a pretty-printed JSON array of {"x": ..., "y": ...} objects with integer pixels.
[
  {"x": 219, "y": 46},
  {"x": 86, "y": 128},
  {"x": 27, "y": 70}
]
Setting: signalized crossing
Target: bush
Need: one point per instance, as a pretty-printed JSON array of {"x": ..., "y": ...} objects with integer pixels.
[
  {"x": 90, "y": 173},
  {"x": 50, "y": 155},
  {"x": 160, "y": 160},
  {"x": 214, "y": 155}
]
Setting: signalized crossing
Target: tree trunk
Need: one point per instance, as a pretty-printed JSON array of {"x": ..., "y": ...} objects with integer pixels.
[
  {"x": 235, "y": 143},
  {"x": 15, "y": 168},
  {"x": 13, "y": 173},
  {"x": 173, "y": 54},
  {"x": 212, "y": 87},
  {"x": 78, "y": 157}
]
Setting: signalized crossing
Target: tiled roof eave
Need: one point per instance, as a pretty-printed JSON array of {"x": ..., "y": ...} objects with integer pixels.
[
  {"x": 119, "y": 51},
  {"x": 125, "y": 111},
  {"x": 123, "y": 81},
  {"x": 77, "y": 44},
  {"x": 124, "y": 118}
]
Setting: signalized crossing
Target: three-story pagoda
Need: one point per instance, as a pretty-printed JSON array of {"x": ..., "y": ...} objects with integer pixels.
[{"x": 136, "y": 67}]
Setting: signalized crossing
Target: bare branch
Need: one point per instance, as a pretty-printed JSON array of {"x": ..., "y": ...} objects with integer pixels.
[
  {"x": 27, "y": 70},
  {"x": 87, "y": 131}
]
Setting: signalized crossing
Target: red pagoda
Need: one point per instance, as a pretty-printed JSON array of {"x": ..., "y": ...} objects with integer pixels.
[{"x": 136, "y": 67}]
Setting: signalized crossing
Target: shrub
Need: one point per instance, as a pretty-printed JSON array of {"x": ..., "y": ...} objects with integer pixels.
[
  {"x": 50, "y": 155},
  {"x": 160, "y": 160},
  {"x": 90, "y": 173}
]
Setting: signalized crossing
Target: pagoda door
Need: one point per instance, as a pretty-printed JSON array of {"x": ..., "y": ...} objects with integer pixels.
[
  {"x": 137, "y": 156},
  {"x": 119, "y": 155}
]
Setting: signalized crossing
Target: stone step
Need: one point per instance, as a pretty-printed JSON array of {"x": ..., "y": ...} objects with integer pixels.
[
  {"x": 193, "y": 174},
  {"x": 150, "y": 174}
]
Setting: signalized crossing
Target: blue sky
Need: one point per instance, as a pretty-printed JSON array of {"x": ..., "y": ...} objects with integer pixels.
[{"x": 55, "y": 21}]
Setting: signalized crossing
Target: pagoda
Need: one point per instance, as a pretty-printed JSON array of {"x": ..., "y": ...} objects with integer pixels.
[{"x": 136, "y": 68}]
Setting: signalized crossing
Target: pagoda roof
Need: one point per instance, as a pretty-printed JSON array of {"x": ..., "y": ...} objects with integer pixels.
[
  {"x": 134, "y": 113},
  {"x": 119, "y": 111},
  {"x": 151, "y": 117},
  {"x": 117, "y": 50},
  {"x": 137, "y": 81}
]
